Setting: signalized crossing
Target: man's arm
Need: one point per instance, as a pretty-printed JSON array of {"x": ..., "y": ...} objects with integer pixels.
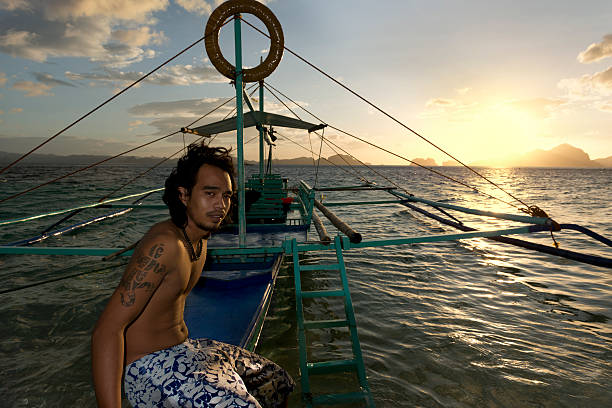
[{"x": 143, "y": 275}]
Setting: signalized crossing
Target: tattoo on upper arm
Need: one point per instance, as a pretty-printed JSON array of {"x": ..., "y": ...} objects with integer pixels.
[{"x": 135, "y": 278}]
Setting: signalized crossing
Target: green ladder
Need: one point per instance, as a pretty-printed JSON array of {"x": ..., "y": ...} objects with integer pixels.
[{"x": 326, "y": 367}]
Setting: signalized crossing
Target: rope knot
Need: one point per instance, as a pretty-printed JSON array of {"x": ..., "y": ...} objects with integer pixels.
[{"x": 535, "y": 211}]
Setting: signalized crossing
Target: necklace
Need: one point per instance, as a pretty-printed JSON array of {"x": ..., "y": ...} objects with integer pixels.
[{"x": 192, "y": 252}]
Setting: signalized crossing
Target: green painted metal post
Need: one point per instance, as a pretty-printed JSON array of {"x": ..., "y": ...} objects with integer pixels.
[
  {"x": 261, "y": 131},
  {"x": 300, "y": 320},
  {"x": 239, "y": 133}
]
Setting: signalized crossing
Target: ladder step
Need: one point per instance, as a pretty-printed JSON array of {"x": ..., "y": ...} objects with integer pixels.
[
  {"x": 322, "y": 293},
  {"x": 334, "y": 366},
  {"x": 325, "y": 267},
  {"x": 330, "y": 399},
  {"x": 323, "y": 324}
]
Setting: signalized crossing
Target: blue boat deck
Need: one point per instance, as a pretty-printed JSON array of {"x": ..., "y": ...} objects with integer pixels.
[{"x": 231, "y": 298}]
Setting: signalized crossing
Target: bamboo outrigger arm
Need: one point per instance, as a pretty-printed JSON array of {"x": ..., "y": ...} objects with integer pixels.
[{"x": 354, "y": 236}]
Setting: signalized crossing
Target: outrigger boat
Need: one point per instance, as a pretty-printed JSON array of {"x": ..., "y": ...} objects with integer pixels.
[{"x": 273, "y": 221}]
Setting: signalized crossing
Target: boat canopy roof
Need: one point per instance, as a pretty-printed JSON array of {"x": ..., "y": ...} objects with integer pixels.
[{"x": 255, "y": 118}]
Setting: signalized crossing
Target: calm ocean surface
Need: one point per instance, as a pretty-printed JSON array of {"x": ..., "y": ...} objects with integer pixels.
[{"x": 458, "y": 324}]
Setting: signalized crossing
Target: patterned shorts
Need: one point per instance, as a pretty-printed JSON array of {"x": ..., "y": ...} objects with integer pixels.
[{"x": 206, "y": 373}]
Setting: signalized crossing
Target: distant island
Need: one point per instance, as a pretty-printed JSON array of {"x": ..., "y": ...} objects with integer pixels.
[
  {"x": 80, "y": 160},
  {"x": 85, "y": 159},
  {"x": 428, "y": 162},
  {"x": 335, "y": 160},
  {"x": 564, "y": 155}
]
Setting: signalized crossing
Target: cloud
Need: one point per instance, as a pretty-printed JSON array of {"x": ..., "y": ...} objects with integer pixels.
[
  {"x": 463, "y": 91},
  {"x": 173, "y": 75},
  {"x": 589, "y": 86},
  {"x": 186, "y": 108},
  {"x": 440, "y": 103},
  {"x": 2, "y": 79},
  {"x": 11, "y": 5},
  {"x": 139, "y": 37},
  {"x": 134, "y": 124},
  {"x": 110, "y": 32},
  {"x": 540, "y": 107},
  {"x": 605, "y": 107},
  {"x": 453, "y": 110},
  {"x": 597, "y": 51},
  {"x": 200, "y": 7},
  {"x": 105, "y": 76},
  {"x": 33, "y": 88},
  {"x": 170, "y": 116},
  {"x": 49, "y": 80},
  {"x": 16, "y": 110},
  {"x": 45, "y": 82},
  {"x": 135, "y": 10},
  {"x": 188, "y": 75}
]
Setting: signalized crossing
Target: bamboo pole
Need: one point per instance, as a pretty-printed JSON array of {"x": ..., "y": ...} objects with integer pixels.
[
  {"x": 323, "y": 235},
  {"x": 354, "y": 236}
]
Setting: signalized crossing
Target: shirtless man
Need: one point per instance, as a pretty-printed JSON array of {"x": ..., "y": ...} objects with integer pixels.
[{"x": 142, "y": 326}]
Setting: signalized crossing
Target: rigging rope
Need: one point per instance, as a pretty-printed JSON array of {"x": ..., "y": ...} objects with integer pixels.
[
  {"x": 395, "y": 154},
  {"x": 318, "y": 162},
  {"x": 310, "y": 151},
  {"x": 31, "y": 285},
  {"x": 84, "y": 168},
  {"x": 529, "y": 209},
  {"x": 148, "y": 170},
  {"x": 314, "y": 162},
  {"x": 141, "y": 174},
  {"x": 101, "y": 105},
  {"x": 174, "y": 154},
  {"x": 110, "y": 158}
]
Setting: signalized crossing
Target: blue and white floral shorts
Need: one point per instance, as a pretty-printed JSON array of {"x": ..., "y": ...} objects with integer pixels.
[{"x": 206, "y": 373}]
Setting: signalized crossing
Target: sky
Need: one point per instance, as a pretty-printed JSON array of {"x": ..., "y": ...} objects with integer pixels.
[{"x": 480, "y": 79}]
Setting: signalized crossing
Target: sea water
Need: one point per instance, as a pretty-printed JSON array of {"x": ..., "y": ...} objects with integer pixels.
[{"x": 472, "y": 323}]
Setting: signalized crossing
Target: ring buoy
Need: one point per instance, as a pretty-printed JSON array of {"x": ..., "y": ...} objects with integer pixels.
[{"x": 231, "y": 8}]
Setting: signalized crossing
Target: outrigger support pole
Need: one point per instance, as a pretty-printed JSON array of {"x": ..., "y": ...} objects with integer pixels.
[{"x": 354, "y": 236}]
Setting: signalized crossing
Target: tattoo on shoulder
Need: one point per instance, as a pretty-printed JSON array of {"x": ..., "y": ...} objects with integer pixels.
[
  {"x": 156, "y": 251},
  {"x": 136, "y": 277}
]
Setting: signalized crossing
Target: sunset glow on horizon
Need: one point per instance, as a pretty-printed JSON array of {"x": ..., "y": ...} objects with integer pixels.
[{"x": 483, "y": 81}]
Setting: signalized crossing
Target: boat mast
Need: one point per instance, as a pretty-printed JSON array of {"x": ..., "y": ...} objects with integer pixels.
[
  {"x": 239, "y": 132},
  {"x": 261, "y": 131}
]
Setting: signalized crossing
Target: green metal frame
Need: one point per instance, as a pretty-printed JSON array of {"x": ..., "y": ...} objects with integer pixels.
[
  {"x": 239, "y": 132},
  {"x": 306, "y": 195},
  {"x": 286, "y": 247}
]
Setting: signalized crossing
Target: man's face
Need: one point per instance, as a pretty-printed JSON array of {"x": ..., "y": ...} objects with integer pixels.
[{"x": 210, "y": 197}]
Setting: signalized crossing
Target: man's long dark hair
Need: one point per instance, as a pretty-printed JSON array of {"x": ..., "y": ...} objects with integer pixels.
[{"x": 185, "y": 173}]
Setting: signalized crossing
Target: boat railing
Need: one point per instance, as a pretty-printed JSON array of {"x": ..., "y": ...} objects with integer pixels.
[{"x": 306, "y": 195}]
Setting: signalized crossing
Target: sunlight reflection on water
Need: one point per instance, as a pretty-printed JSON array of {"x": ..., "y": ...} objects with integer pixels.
[{"x": 460, "y": 324}]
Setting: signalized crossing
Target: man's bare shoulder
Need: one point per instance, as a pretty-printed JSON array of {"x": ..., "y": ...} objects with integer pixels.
[{"x": 161, "y": 241}]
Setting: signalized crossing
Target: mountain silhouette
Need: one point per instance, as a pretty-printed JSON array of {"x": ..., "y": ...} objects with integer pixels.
[{"x": 564, "y": 155}]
